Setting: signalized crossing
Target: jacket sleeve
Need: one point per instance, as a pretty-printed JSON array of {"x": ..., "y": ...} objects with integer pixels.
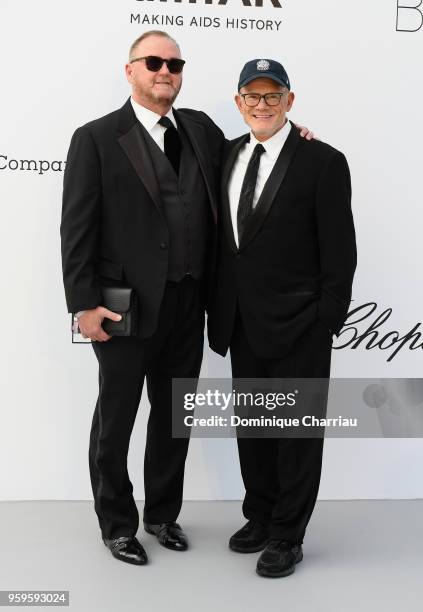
[
  {"x": 80, "y": 224},
  {"x": 337, "y": 246}
]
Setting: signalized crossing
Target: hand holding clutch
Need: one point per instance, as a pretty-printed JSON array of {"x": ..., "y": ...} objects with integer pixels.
[{"x": 116, "y": 317}]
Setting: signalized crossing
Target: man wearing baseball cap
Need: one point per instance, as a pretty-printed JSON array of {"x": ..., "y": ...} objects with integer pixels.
[{"x": 286, "y": 262}]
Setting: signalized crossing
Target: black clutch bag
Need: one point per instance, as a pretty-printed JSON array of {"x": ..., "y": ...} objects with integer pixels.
[{"x": 122, "y": 300}]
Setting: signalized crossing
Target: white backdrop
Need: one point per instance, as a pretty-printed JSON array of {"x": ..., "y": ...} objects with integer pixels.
[{"x": 358, "y": 85}]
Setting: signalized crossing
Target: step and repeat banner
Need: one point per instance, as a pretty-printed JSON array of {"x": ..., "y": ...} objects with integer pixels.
[{"x": 355, "y": 68}]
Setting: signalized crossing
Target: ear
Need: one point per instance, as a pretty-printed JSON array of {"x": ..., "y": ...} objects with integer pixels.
[
  {"x": 239, "y": 103},
  {"x": 290, "y": 100},
  {"x": 128, "y": 72}
]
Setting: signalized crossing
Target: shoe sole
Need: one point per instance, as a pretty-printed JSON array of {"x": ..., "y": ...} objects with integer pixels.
[
  {"x": 287, "y": 572},
  {"x": 252, "y": 549}
]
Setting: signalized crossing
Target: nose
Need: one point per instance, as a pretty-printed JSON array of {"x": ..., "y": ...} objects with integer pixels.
[
  {"x": 164, "y": 69},
  {"x": 262, "y": 104}
]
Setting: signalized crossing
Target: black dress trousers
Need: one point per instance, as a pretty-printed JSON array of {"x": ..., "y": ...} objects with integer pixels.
[
  {"x": 175, "y": 350},
  {"x": 282, "y": 475}
]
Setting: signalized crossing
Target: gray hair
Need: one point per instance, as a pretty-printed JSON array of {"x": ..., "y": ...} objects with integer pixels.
[{"x": 147, "y": 35}]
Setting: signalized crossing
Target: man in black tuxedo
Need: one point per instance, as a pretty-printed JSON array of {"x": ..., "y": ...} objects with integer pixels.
[
  {"x": 286, "y": 261},
  {"x": 139, "y": 210}
]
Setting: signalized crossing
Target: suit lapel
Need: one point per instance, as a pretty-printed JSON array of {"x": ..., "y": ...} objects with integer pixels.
[
  {"x": 196, "y": 134},
  {"x": 132, "y": 141},
  {"x": 226, "y": 207},
  {"x": 271, "y": 186}
]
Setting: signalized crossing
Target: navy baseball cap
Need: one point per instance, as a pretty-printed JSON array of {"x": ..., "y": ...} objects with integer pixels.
[{"x": 259, "y": 68}]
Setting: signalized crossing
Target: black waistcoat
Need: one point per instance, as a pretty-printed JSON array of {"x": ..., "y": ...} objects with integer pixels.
[{"x": 186, "y": 208}]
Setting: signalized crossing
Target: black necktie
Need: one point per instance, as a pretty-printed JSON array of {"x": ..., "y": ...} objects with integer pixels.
[
  {"x": 172, "y": 143},
  {"x": 245, "y": 206}
]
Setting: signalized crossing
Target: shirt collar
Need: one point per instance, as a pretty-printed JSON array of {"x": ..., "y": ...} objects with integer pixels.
[
  {"x": 275, "y": 143},
  {"x": 149, "y": 118}
]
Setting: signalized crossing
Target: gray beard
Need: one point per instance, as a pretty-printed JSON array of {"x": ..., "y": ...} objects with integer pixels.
[{"x": 162, "y": 100}]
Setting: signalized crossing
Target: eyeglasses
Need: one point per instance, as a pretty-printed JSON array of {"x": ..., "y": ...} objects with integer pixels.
[
  {"x": 154, "y": 63},
  {"x": 271, "y": 99}
]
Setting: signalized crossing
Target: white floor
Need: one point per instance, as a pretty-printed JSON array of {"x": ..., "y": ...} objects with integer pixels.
[{"x": 358, "y": 555}]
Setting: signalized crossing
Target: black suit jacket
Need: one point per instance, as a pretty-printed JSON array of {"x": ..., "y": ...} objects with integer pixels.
[
  {"x": 113, "y": 229},
  {"x": 297, "y": 257}
]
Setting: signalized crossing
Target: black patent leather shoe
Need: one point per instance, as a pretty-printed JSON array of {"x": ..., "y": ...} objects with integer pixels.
[
  {"x": 278, "y": 559},
  {"x": 169, "y": 535},
  {"x": 128, "y": 549},
  {"x": 250, "y": 538}
]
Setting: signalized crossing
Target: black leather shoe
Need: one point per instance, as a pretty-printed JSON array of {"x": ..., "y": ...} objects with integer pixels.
[
  {"x": 250, "y": 538},
  {"x": 279, "y": 559},
  {"x": 170, "y": 535},
  {"x": 128, "y": 549}
]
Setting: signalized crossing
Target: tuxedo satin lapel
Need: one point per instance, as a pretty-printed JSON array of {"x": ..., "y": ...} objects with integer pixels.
[
  {"x": 196, "y": 134},
  {"x": 226, "y": 207},
  {"x": 136, "y": 149},
  {"x": 271, "y": 186},
  {"x": 127, "y": 117}
]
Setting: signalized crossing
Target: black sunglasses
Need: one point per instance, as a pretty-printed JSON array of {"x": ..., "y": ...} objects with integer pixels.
[{"x": 154, "y": 63}]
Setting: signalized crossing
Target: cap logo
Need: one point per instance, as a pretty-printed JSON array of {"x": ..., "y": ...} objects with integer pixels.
[{"x": 263, "y": 65}]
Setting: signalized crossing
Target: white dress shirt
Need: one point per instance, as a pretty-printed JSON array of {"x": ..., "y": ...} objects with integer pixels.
[
  {"x": 273, "y": 146},
  {"x": 149, "y": 120}
]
